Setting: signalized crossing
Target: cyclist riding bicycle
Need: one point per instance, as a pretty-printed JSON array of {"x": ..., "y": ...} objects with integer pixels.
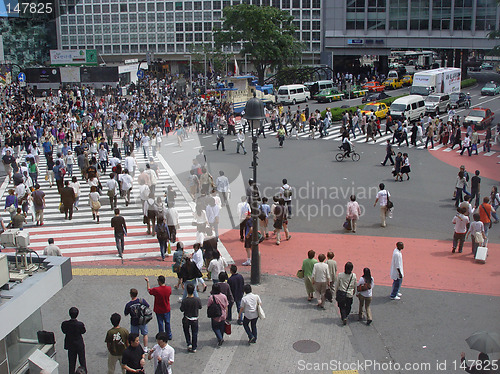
[{"x": 346, "y": 146}]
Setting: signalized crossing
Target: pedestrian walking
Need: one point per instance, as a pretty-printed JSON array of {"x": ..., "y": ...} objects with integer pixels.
[
  {"x": 475, "y": 188},
  {"x": 461, "y": 221},
  {"x": 162, "y": 354},
  {"x": 220, "y": 138},
  {"x": 388, "y": 153},
  {"x": 281, "y": 221},
  {"x": 150, "y": 212},
  {"x": 218, "y": 320},
  {"x": 405, "y": 169},
  {"x": 112, "y": 192},
  {"x": 126, "y": 184},
  {"x": 240, "y": 140},
  {"x": 265, "y": 210},
  {"x": 494, "y": 202},
  {"x": 222, "y": 185},
  {"x": 189, "y": 273},
  {"x": 353, "y": 212},
  {"x": 163, "y": 235},
  {"x": 346, "y": 288},
  {"x": 120, "y": 231},
  {"x": 383, "y": 197},
  {"x": 236, "y": 283},
  {"x": 94, "y": 203},
  {"x": 132, "y": 308},
  {"x": 466, "y": 146},
  {"x": 73, "y": 340},
  {"x": 191, "y": 306},
  {"x": 249, "y": 309},
  {"x": 133, "y": 357},
  {"x": 216, "y": 266},
  {"x": 397, "y": 271},
  {"x": 485, "y": 213},
  {"x": 212, "y": 211},
  {"x": 68, "y": 198},
  {"x": 38, "y": 198},
  {"x": 116, "y": 341},
  {"x": 459, "y": 187},
  {"x": 365, "y": 292},
  {"x": 281, "y": 135},
  {"x": 332, "y": 268},
  {"x": 161, "y": 305},
  {"x": 321, "y": 279},
  {"x": 307, "y": 270}
]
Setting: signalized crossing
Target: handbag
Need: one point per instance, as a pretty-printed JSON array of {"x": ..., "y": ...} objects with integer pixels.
[
  {"x": 390, "y": 204},
  {"x": 329, "y": 295},
  {"x": 347, "y": 224},
  {"x": 300, "y": 274},
  {"x": 342, "y": 295},
  {"x": 260, "y": 311},
  {"x": 478, "y": 237},
  {"x": 227, "y": 328}
]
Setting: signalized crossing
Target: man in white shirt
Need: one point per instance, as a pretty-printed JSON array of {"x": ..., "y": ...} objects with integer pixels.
[
  {"x": 172, "y": 219},
  {"x": 112, "y": 186},
  {"x": 52, "y": 249},
  {"x": 244, "y": 211},
  {"x": 397, "y": 272},
  {"x": 240, "y": 140},
  {"x": 460, "y": 221},
  {"x": 321, "y": 279},
  {"x": 222, "y": 184},
  {"x": 153, "y": 177},
  {"x": 286, "y": 194},
  {"x": 126, "y": 185},
  {"x": 162, "y": 353},
  {"x": 382, "y": 197}
]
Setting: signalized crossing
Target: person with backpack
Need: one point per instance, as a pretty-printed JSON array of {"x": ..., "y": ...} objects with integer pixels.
[
  {"x": 163, "y": 235},
  {"x": 189, "y": 273},
  {"x": 138, "y": 321},
  {"x": 217, "y": 310},
  {"x": 286, "y": 194},
  {"x": 150, "y": 211}
]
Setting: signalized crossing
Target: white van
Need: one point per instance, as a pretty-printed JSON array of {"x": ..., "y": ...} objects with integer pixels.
[
  {"x": 393, "y": 74},
  {"x": 408, "y": 107},
  {"x": 292, "y": 94}
]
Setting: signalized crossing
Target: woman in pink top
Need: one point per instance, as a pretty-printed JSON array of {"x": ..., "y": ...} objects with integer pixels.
[
  {"x": 218, "y": 323},
  {"x": 353, "y": 212}
]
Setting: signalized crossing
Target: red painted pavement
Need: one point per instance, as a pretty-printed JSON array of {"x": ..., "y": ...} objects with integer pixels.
[
  {"x": 487, "y": 165},
  {"x": 428, "y": 264}
]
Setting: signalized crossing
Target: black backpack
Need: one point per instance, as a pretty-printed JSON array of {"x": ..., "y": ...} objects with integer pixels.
[
  {"x": 214, "y": 310},
  {"x": 141, "y": 312},
  {"x": 163, "y": 233}
]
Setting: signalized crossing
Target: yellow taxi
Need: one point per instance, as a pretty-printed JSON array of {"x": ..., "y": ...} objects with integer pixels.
[
  {"x": 393, "y": 83},
  {"x": 380, "y": 109},
  {"x": 407, "y": 80}
]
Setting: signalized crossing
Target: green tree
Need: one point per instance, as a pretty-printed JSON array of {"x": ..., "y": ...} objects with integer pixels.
[{"x": 266, "y": 33}]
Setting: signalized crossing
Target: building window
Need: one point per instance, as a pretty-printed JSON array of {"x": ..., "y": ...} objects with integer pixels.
[
  {"x": 123, "y": 18},
  {"x": 265, "y": 3},
  {"x": 296, "y": 14},
  {"x": 207, "y": 5},
  {"x": 97, "y": 29},
  {"x": 133, "y": 17},
  {"x": 125, "y": 49},
  {"x": 106, "y": 29},
  {"x": 114, "y": 8},
  {"x": 106, "y": 38},
  {"x": 306, "y": 25},
  {"x": 306, "y": 35},
  {"x": 306, "y": 14},
  {"x": 207, "y": 16},
  {"x": 134, "y": 38},
  {"x": 143, "y": 38},
  {"x": 142, "y": 27},
  {"x": 296, "y": 4},
  {"x": 197, "y": 5},
  {"x": 170, "y": 37},
  {"x": 316, "y": 36},
  {"x": 125, "y": 38},
  {"x": 226, "y": 3},
  {"x": 189, "y": 37},
  {"x": 306, "y": 3},
  {"x": 161, "y": 48},
  {"x": 151, "y": 27},
  {"x": 198, "y": 16},
  {"x": 72, "y": 30},
  {"x": 105, "y": 8},
  {"x": 398, "y": 13},
  {"x": 198, "y": 37},
  {"x": 285, "y": 4},
  {"x": 161, "y": 38},
  {"x": 90, "y": 39},
  {"x": 169, "y": 6},
  {"x": 198, "y": 26},
  {"x": 179, "y": 37},
  {"x": 143, "y": 48},
  {"x": 188, "y": 27},
  {"x": 160, "y": 17},
  {"x": 160, "y": 27},
  {"x": 179, "y": 27},
  {"x": 486, "y": 15},
  {"x": 132, "y": 8},
  {"x": 134, "y": 49},
  {"x": 141, "y": 7},
  {"x": 355, "y": 17},
  {"x": 133, "y": 27},
  {"x": 142, "y": 17},
  {"x": 376, "y": 14},
  {"x": 152, "y": 38},
  {"x": 169, "y": 16},
  {"x": 151, "y": 7},
  {"x": 123, "y": 8},
  {"x": 170, "y": 48},
  {"x": 179, "y": 47},
  {"x": 276, "y": 3},
  {"x": 188, "y": 5},
  {"x": 207, "y": 26},
  {"x": 208, "y": 37},
  {"x": 124, "y": 28},
  {"x": 151, "y": 17},
  {"x": 88, "y": 9},
  {"x": 106, "y": 18},
  {"x": 115, "y": 28}
]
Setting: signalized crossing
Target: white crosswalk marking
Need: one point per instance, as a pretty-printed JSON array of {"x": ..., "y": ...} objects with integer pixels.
[{"x": 84, "y": 240}]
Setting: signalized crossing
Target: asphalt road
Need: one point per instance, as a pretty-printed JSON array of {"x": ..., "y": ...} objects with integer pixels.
[{"x": 423, "y": 205}]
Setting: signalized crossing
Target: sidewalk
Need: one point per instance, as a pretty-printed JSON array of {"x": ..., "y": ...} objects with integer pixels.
[{"x": 289, "y": 319}]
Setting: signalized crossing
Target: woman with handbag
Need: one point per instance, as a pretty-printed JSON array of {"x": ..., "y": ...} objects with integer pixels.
[
  {"x": 250, "y": 305},
  {"x": 345, "y": 286},
  {"x": 365, "y": 289}
]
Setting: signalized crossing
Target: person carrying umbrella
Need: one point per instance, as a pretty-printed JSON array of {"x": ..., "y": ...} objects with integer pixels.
[{"x": 485, "y": 342}]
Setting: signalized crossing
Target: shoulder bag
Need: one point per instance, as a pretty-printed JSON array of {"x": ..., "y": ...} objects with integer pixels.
[
  {"x": 342, "y": 295},
  {"x": 487, "y": 215}
]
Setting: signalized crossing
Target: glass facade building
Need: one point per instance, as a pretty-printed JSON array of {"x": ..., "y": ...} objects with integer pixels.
[
  {"x": 377, "y": 26},
  {"x": 121, "y": 28}
]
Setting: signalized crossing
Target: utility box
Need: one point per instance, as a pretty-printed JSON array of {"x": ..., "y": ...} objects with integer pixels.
[
  {"x": 23, "y": 239},
  {"x": 8, "y": 238},
  {"x": 39, "y": 361}
]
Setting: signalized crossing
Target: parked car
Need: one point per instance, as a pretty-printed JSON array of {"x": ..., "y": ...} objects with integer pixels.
[
  {"x": 375, "y": 96},
  {"x": 486, "y": 66},
  {"x": 490, "y": 88},
  {"x": 407, "y": 80},
  {"x": 380, "y": 109},
  {"x": 393, "y": 83},
  {"x": 374, "y": 86},
  {"x": 328, "y": 95},
  {"x": 457, "y": 99},
  {"x": 480, "y": 118}
]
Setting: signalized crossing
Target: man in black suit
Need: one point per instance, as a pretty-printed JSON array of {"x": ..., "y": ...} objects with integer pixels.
[
  {"x": 68, "y": 199},
  {"x": 73, "y": 341}
]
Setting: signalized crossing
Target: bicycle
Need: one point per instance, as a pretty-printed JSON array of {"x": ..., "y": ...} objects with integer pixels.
[{"x": 339, "y": 157}]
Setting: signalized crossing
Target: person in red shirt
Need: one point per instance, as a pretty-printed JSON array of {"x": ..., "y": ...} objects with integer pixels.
[
  {"x": 485, "y": 212},
  {"x": 162, "y": 304}
]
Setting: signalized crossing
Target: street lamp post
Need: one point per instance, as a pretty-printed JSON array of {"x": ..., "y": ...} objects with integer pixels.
[
  {"x": 254, "y": 112},
  {"x": 246, "y": 70}
]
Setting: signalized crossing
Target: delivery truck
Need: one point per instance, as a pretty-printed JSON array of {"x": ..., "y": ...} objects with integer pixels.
[{"x": 442, "y": 80}]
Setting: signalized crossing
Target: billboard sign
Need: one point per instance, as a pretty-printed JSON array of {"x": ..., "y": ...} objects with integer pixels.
[{"x": 62, "y": 57}]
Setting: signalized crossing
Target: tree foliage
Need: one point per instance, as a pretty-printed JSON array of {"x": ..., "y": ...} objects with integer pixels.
[{"x": 266, "y": 33}]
